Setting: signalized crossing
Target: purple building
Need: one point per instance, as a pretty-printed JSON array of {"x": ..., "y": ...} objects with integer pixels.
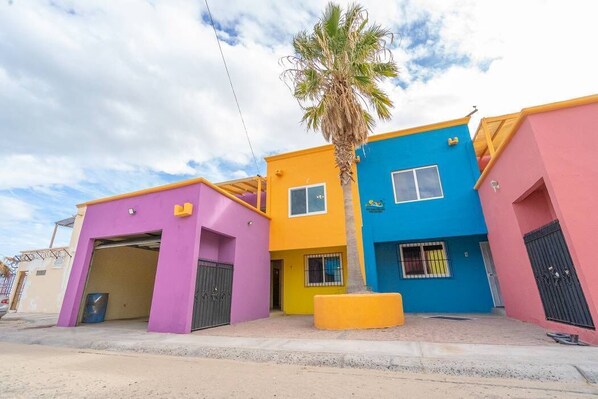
[{"x": 183, "y": 256}]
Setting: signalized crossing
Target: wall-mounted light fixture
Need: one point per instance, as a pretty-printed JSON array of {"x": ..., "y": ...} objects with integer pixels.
[
  {"x": 250, "y": 223},
  {"x": 132, "y": 211},
  {"x": 453, "y": 141},
  {"x": 495, "y": 186},
  {"x": 278, "y": 172},
  {"x": 184, "y": 210}
]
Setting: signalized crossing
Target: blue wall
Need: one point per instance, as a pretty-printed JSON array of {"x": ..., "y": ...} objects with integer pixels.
[
  {"x": 465, "y": 291},
  {"x": 458, "y": 213}
]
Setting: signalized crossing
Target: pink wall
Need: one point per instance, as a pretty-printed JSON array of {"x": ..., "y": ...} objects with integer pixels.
[
  {"x": 535, "y": 209},
  {"x": 172, "y": 301},
  {"x": 557, "y": 148}
]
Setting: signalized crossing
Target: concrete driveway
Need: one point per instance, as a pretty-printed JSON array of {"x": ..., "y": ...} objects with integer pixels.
[{"x": 478, "y": 329}]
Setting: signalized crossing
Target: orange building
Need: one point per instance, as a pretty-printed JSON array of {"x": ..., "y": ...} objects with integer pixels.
[{"x": 307, "y": 230}]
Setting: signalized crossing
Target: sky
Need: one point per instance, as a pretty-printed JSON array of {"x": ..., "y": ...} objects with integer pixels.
[{"x": 99, "y": 98}]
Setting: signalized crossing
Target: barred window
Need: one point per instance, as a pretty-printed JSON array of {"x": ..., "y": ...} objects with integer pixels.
[
  {"x": 323, "y": 270},
  {"x": 424, "y": 260}
]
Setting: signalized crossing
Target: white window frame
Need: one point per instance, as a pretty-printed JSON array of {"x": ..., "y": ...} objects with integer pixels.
[
  {"x": 324, "y": 283},
  {"x": 308, "y": 213},
  {"x": 425, "y": 262},
  {"x": 412, "y": 170}
]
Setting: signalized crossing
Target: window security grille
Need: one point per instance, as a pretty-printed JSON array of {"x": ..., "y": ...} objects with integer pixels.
[
  {"x": 424, "y": 260},
  {"x": 322, "y": 270}
]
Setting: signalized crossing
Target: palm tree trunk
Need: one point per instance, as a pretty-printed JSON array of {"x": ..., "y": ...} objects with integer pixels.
[{"x": 354, "y": 278}]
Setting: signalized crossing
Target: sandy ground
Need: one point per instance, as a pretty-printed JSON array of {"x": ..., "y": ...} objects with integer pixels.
[
  {"x": 31, "y": 371},
  {"x": 480, "y": 329}
]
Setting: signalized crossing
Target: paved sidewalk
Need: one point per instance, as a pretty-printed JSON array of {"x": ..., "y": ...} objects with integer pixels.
[{"x": 540, "y": 363}]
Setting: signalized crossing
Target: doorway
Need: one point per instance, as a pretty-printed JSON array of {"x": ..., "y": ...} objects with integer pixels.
[
  {"x": 491, "y": 272},
  {"x": 212, "y": 302},
  {"x": 22, "y": 279},
  {"x": 276, "y": 284},
  {"x": 213, "y": 295}
]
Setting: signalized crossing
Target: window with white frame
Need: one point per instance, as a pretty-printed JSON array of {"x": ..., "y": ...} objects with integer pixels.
[
  {"x": 417, "y": 184},
  {"x": 323, "y": 270},
  {"x": 307, "y": 200},
  {"x": 424, "y": 260}
]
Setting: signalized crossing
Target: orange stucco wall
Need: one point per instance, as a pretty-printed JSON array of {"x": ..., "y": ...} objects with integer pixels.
[
  {"x": 292, "y": 238},
  {"x": 302, "y": 168}
]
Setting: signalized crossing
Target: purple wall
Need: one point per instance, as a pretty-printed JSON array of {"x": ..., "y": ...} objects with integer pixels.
[
  {"x": 251, "y": 199},
  {"x": 172, "y": 301},
  {"x": 251, "y": 279}
]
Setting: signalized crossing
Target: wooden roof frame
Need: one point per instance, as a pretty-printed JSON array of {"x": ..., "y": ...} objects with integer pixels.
[{"x": 248, "y": 185}]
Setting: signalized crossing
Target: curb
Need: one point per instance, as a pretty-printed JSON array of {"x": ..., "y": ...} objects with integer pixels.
[{"x": 424, "y": 358}]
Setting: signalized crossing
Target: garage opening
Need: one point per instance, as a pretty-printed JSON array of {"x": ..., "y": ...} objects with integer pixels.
[{"x": 125, "y": 269}]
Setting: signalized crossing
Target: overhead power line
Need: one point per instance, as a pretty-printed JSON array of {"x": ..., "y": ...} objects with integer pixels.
[{"x": 230, "y": 81}]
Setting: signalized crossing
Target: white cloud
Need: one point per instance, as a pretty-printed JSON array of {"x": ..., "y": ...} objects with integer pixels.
[
  {"x": 23, "y": 171},
  {"x": 13, "y": 209},
  {"x": 103, "y": 97}
]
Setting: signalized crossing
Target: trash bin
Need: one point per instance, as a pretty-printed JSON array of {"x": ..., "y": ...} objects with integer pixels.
[{"x": 95, "y": 307}]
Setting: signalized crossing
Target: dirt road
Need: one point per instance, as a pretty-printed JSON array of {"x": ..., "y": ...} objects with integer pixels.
[{"x": 39, "y": 371}]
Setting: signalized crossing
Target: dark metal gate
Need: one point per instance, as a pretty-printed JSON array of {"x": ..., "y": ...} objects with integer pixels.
[
  {"x": 560, "y": 290},
  {"x": 213, "y": 292}
]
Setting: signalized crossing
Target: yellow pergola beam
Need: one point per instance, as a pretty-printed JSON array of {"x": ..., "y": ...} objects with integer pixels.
[
  {"x": 259, "y": 193},
  {"x": 489, "y": 143},
  {"x": 233, "y": 189}
]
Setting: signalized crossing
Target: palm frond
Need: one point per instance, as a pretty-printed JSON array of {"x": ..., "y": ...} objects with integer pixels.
[
  {"x": 335, "y": 72},
  {"x": 381, "y": 103},
  {"x": 384, "y": 69},
  {"x": 313, "y": 116},
  {"x": 331, "y": 19}
]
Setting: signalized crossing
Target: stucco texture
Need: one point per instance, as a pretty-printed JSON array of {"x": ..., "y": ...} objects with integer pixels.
[
  {"x": 464, "y": 291},
  {"x": 298, "y": 297},
  {"x": 455, "y": 219},
  {"x": 291, "y": 238},
  {"x": 552, "y": 156},
  {"x": 174, "y": 287},
  {"x": 42, "y": 293}
]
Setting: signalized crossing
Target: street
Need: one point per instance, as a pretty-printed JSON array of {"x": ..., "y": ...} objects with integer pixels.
[{"x": 42, "y": 371}]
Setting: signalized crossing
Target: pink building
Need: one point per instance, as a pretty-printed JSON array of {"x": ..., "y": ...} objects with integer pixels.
[
  {"x": 184, "y": 256},
  {"x": 539, "y": 188}
]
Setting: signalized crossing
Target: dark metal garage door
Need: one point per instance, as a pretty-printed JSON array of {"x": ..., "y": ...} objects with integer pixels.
[
  {"x": 560, "y": 290},
  {"x": 213, "y": 292}
]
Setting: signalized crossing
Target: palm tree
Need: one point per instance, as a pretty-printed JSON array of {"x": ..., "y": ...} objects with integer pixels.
[{"x": 335, "y": 73}]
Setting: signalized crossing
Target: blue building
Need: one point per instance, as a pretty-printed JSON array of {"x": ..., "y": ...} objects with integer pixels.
[{"x": 423, "y": 227}]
